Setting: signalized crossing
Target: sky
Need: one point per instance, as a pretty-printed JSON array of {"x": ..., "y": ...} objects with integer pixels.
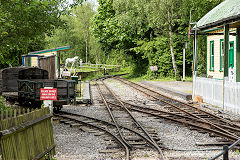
[{"x": 92, "y": 1}]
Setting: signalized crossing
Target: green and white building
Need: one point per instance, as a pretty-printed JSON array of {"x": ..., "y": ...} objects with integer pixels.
[
  {"x": 221, "y": 84},
  {"x": 48, "y": 59}
]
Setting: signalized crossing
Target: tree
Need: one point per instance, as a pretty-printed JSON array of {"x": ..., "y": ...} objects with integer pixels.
[
  {"x": 82, "y": 23},
  {"x": 169, "y": 7},
  {"x": 117, "y": 30},
  {"x": 24, "y": 24},
  {"x": 105, "y": 25},
  {"x": 77, "y": 34}
]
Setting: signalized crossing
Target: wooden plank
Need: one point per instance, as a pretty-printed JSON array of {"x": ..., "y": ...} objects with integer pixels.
[
  {"x": 23, "y": 126},
  {"x": 48, "y": 63},
  {"x": 45, "y": 152},
  {"x": 29, "y": 141}
]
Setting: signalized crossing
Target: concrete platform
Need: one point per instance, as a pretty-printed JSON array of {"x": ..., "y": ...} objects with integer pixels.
[
  {"x": 176, "y": 88},
  {"x": 87, "y": 96}
]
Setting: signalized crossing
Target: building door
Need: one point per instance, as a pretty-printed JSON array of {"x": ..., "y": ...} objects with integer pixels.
[
  {"x": 231, "y": 54},
  {"x": 27, "y": 61},
  {"x": 48, "y": 63}
]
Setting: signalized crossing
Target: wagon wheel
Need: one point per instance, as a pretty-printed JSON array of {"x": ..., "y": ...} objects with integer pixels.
[
  {"x": 21, "y": 101},
  {"x": 36, "y": 104},
  {"x": 10, "y": 100},
  {"x": 57, "y": 108}
]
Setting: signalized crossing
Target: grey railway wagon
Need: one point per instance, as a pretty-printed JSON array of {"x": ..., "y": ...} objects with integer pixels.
[
  {"x": 9, "y": 76},
  {"x": 29, "y": 90},
  {"x": 23, "y": 84}
]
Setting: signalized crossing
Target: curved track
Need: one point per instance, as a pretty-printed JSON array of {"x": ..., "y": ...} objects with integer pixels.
[
  {"x": 105, "y": 126},
  {"x": 91, "y": 122},
  {"x": 124, "y": 117},
  {"x": 187, "y": 114}
]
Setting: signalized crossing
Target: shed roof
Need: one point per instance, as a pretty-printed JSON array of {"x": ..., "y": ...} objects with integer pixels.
[
  {"x": 64, "y": 48},
  {"x": 226, "y": 12}
]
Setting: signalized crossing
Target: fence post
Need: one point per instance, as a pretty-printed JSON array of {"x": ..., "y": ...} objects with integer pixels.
[{"x": 225, "y": 156}]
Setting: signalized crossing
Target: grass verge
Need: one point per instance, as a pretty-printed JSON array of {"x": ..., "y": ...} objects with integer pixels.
[{"x": 147, "y": 78}]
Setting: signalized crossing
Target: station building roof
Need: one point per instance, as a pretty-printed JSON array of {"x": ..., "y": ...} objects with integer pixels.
[
  {"x": 64, "y": 48},
  {"x": 227, "y": 12}
]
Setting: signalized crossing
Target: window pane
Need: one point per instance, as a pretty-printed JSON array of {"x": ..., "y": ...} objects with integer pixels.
[
  {"x": 212, "y": 55},
  {"x": 221, "y": 65}
]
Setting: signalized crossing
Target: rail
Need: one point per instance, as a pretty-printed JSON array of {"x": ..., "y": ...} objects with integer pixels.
[
  {"x": 224, "y": 153},
  {"x": 116, "y": 124},
  {"x": 95, "y": 126},
  {"x": 139, "y": 125},
  {"x": 214, "y": 126},
  {"x": 146, "y": 136}
]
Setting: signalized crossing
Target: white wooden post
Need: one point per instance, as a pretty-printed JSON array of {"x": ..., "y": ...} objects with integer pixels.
[
  {"x": 183, "y": 64},
  {"x": 48, "y": 103}
]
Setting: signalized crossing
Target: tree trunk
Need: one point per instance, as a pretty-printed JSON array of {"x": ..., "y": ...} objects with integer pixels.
[
  {"x": 86, "y": 40},
  {"x": 177, "y": 75}
]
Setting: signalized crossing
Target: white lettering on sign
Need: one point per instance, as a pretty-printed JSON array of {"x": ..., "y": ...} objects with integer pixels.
[{"x": 48, "y": 94}]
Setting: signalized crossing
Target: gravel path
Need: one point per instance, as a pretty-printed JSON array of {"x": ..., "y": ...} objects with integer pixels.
[
  {"x": 74, "y": 144},
  {"x": 179, "y": 141},
  {"x": 175, "y": 85}
]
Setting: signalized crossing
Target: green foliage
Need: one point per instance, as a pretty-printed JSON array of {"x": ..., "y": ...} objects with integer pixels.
[
  {"x": 66, "y": 36},
  {"x": 127, "y": 32},
  {"x": 152, "y": 78},
  {"x": 3, "y": 106},
  {"x": 24, "y": 24},
  {"x": 104, "y": 23},
  {"x": 141, "y": 30},
  {"x": 77, "y": 34}
]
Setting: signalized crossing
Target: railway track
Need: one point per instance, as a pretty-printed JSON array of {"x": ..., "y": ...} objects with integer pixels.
[
  {"x": 108, "y": 128},
  {"x": 78, "y": 120},
  {"x": 123, "y": 117},
  {"x": 184, "y": 113}
]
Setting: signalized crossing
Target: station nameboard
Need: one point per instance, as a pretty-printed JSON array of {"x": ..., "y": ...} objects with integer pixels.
[{"x": 48, "y": 94}]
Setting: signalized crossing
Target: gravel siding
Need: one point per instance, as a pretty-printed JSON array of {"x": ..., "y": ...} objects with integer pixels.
[
  {"x": 179, "y": 141},
  {"x": 174, "y": 85}
]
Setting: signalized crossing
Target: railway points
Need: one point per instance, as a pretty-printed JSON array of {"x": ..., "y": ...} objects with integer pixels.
[
  {"x": 157, "y": 110},
  {"x": 131, "y": 118}
]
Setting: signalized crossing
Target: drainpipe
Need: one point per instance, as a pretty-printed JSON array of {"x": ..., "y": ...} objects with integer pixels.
[{"x": 195, "y": 62}]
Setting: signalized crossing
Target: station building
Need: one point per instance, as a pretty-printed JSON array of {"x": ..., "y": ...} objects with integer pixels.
[
  {"x": 48, "y": 59},
  {"x": 220, "y": 85}
]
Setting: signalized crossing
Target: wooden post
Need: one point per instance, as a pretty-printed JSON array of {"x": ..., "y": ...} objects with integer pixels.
[
  {"x": 80, "y": 82},
  {"x": 10, "y": 113},
  {"x": 27, "y": 145},
  {"x": 226, "y": 49},
  {"x": 238, "y": 55},
  {"x": 1, "y": 118},
  {"x": 225, "y": 57},
  {"x": 6, "y": 114},
  {"x": 58, "y": 59},
  {"x": 15, "y": 113},
  {"x": 225, "y": 156}
]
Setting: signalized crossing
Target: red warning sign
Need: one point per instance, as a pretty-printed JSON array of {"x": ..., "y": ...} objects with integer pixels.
[{"x": 48, "y": 94}]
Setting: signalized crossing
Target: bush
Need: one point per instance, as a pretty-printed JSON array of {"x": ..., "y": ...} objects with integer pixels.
[{"x": 3, "y": 106}]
